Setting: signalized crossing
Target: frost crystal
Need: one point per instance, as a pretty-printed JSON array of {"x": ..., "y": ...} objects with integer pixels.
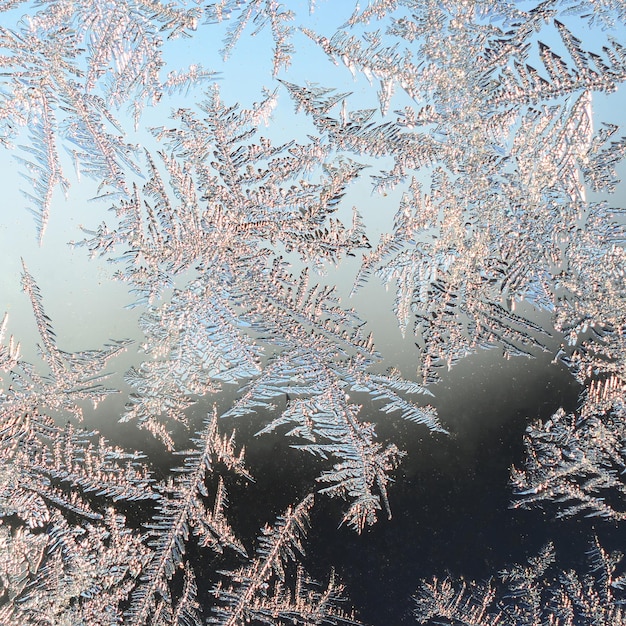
[
  {"x": 482, "y": 139},
  {"x": 530, "y": 597}
]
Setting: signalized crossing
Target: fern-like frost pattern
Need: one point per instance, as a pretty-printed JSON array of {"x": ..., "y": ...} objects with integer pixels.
[{"x": 482, "y": 136}]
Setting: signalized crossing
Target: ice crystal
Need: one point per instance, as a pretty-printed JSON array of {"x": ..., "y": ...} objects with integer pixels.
[
  {"x": 258, "y": 590},
  {"x": 483, "y": 138},
  {"x": 249, "y": 307},
  {"x": 528, "y": 598},
  {"x": 575, "y": 460}
]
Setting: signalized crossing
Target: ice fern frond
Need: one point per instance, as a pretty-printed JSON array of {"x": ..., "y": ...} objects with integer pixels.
[
  {"x": 320, "y": 352},
  {"x": 578, "y": 463},
  {"x": 454, "y": 280},
  {"x": 56, "y": 463},
  {"x": 260, "y": 13},
  {"x": 53, "y": 475},
  {"x": 459, "y": 270},
  {"x": 249, "y": 320},
  {"x": 45, "y": 168},
  {"x": 49, "y": 467},
  {"x": 181, "y": 507},
  {"x": 363, "y": 464},
  {"x": 385, "y": 64},
  {"x": 208, "y": 349},
  {"x": 601, "y": 159},
  {"x": 82, "y": 573},
  {"x": 124, "y": 46},
  {"x": 260, "y": 591},
  {"x": 186, "y": 611},
  {"x": 377, "y": 9},
  {"x": 524, "y": 83},
  {"x": 30, "y": 68},
  {"x": 9, "y": 354},
  {"x": 249, "y": 198},
  {"x": 529, "y": 595},
  {"x": 74, "y": 376},
  {"x": 358, "y": 133},
  {"x": 67, "y": 69},
  {"x": 49, "y": 351}
]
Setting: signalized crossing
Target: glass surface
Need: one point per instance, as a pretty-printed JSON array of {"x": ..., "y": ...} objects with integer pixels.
[{"x": 314, "y": 312}]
